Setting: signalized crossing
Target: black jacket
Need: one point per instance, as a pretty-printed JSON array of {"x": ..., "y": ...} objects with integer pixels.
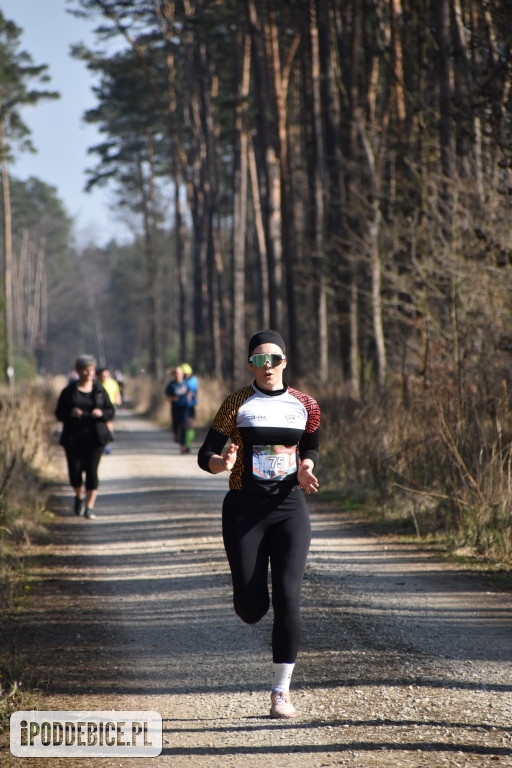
[{"x": 75, "y": 430}]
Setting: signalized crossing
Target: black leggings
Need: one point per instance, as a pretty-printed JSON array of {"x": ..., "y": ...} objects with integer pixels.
[
  {"x": 84, "y": 458},
  {"x": 258, "y": 529}
]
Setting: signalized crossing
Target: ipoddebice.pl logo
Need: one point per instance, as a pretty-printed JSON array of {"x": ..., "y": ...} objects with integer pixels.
[{"x": 88, "y": 734}]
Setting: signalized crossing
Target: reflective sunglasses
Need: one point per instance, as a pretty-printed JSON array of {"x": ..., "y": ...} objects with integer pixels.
[{"x": 259, "y": 360}]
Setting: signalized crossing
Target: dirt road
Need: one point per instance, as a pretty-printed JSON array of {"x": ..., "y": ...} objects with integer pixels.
[{"x": 405, "y": 661}]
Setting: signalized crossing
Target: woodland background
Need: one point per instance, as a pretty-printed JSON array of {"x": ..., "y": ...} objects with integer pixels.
[{"x": 337, "y": 169}]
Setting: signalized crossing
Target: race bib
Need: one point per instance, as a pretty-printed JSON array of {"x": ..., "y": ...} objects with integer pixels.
[{"x": 273, "y": 462}]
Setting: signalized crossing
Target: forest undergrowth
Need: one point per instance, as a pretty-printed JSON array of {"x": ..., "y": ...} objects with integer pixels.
[{"x": 428, "y": 458}]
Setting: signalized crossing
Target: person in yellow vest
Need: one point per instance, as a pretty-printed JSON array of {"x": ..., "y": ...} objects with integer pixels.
[
  {"x": 111, "y": 387},
  {"x": 190, "y": 414}
]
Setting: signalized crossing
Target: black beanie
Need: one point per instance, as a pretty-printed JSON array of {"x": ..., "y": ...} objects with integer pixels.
[{"x": 266, "y": 337}]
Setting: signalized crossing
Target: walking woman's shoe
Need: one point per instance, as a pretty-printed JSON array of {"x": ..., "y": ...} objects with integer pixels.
[
  {"x": 78, "y": 507},
  {"x": 90, "y": 514},
  {"x": 281, "y": 705}
]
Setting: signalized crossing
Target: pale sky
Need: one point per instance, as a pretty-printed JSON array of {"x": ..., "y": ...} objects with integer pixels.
[{"x": 58, "y": 133}]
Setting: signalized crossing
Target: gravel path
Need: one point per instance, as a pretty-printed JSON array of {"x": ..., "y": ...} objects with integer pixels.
[{"x": 405, "y": 660}]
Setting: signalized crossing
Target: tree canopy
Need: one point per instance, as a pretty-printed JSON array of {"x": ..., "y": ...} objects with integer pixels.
[{"x": 338, "y": 170}]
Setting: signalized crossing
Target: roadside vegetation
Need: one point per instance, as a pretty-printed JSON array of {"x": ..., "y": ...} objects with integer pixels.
[
  {"x": 433, "y": 463},
  {"x": 25, "y": 439},
  {"x": 25, "y": 422}
]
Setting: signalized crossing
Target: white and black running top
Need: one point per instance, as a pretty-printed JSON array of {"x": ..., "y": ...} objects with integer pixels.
[{"x": 273, "y": 431}]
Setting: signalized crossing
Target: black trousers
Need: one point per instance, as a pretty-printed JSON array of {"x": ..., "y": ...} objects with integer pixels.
[
  {"x": 84, "y": 459},
  {"x": 258, "y": 530}
]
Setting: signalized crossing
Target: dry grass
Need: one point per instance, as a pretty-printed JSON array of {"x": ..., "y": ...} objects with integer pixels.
[
  {"x": 24, "y": 438},
  {"x": 25, "y": 449},
  {"x": 433, "y": 455}
]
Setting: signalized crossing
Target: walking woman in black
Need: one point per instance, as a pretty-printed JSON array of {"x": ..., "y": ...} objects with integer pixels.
[
  {"x": 274, "y": 448},
  {"x": 84, "y": 408}
]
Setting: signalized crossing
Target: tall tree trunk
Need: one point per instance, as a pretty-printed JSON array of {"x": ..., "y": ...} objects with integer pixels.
[
  {"x": 377, "y": 314},
  {"x": 209, "y": 127},
  {"x": 319, "y": 183},
  {"x": 181, "y": 267},
  {"x": 217, "y": 364},
  {"x": 197, "y": 192},
  {"x": 353, "y": 320},
  {"x": 20, "y": 290},
  {"x": 335, "y": 223},
  {"x": 8, "y": 257},
  {"x": 41, "y": 347},
  {"x": 354, "y": 356},
  {"x": 153, "y": 281},
  {"x": 165, "y": 11},
  {"x": 398, "y": 66},
  {"x": 264, "y": 308},
  {"x": 373, "y": 140},
  {"x": 281, "y": 78},
  {"x": 240, "y": 210},
  {"x": 446, "y": 130},
  {"x": 35, "y": 329},
  {"x": 270, "y": 186},
  {"x": 465, "y": 47},
  {"x": 202, "y": 191}
]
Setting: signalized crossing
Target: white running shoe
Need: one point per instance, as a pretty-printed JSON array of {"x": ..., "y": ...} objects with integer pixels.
[{"x": 281, "y": 705}]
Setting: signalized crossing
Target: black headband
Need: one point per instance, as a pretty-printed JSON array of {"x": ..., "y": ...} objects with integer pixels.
[{"x": 266, "y": 337}]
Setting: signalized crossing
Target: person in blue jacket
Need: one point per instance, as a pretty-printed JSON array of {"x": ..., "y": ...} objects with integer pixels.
[{"x": 176, "y": 393}]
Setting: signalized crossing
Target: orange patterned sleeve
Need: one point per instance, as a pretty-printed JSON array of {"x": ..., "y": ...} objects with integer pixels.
[{"x": 225, "y": 420}]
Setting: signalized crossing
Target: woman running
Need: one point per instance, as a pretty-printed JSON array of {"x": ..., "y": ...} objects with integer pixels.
[
  {"x": 85, "y": 410},
  {"x": 274, "y": 449}
]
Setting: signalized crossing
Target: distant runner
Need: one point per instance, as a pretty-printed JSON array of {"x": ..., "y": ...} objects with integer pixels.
[{"x": 85, "y": 409}]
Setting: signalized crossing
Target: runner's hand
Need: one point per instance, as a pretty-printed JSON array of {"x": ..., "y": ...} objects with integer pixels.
[
  {"x": 224, "y": 463},
  {"x": 306, "y": 478},
  {"x": 230, "y": 457}
]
